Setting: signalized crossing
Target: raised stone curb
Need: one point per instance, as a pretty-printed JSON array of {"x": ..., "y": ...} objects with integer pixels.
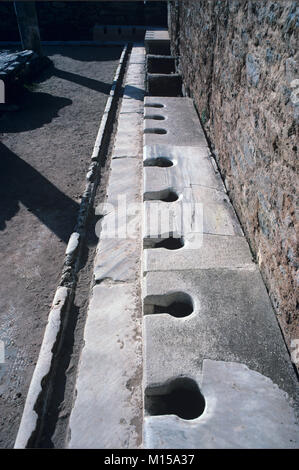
[{"x": 43, "y": 367}]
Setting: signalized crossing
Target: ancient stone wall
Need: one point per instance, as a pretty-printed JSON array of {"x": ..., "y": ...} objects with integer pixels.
[
  {"x": 75, "y": 20},
  {"x": 239, "y": 63}
]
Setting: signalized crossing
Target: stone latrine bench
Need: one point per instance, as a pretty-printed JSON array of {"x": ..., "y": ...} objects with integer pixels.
[
  {"x": 162, "y": 78},
  {"x": 216, "y": 372}
]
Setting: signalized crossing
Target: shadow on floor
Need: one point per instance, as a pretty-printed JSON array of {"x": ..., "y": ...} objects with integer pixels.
[
  {"x": 36, "y": 110},
  {"x": 85, "y": 53},
  {"x": 20, "y": 182},
  {"x": 96, "y": 85}
]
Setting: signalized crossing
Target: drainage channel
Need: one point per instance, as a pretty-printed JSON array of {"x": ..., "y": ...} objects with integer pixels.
[{"x": 216, "y": 369}]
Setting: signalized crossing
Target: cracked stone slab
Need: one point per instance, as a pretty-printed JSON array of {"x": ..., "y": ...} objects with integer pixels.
[
  {"x": 213, "y": 251},
  {"x": 125, "y": 180},
  {"x": 117, "y": 259},
  {"x": 232, "y": 320},
  {"x": 131, "y": 106},
  {"x": 108, "y": 402},
  {"x": 121, "y": 211},
  {"x": 191, "y": 165},
  {"x": 180, "y": 127},
  {"x": 243, "y": 409},
  {"x": 137, "y": 55},
  {"x": 128, "y": 141},
  {"x": 198, "y": 209},
  {"x": 135, "y": 70},
  {"x": 134, "y": 81},
  {"x": 116, "y": 225}
]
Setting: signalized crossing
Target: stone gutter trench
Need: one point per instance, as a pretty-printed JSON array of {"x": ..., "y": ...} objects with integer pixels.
[{"x": 181, "y": 346}]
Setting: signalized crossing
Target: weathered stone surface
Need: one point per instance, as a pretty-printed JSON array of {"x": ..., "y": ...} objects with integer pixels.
[
  {"x": 42, "y": 370},
  {"x": 131, "y": 106},
  {"x": 243, "y": 410},
  {"x": 73, "y": 243},
  {"x": 232, "y": 320},
  {"x": 240, "y": 64},
  {"x": 127, "y": 140},
  {"x": 137, "y": 55},
  {"x": 107, "y": 411},
  {"x": 135, "y": 74},
  {"x": 117, "y": 259},
  {"x": 181, "y": 125},
  {"x": 12, "y": 61},
  {"x": 212, "y": 251},
  {"x": 190, "y": 166},
  {"x": 125, "y": 176},
  {"x": 108, "y": 399},
  {"x": 198, "y": 209},
  {"x": 133, "y": 92}
]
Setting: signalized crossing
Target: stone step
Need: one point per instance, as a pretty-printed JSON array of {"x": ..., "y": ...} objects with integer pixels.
[
  {"x": 164, "y": 84},
  {"x": 157, "y": 41}
]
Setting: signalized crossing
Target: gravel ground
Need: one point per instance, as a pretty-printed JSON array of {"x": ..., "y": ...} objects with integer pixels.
[{"x": 45, "y": 150}]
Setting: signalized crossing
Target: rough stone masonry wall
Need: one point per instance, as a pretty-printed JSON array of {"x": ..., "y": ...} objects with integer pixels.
[{"x": 239, "y": 63}]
